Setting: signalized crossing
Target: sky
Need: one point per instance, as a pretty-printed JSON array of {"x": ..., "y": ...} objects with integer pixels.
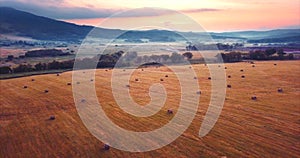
[{"x": 211, "y": 15}]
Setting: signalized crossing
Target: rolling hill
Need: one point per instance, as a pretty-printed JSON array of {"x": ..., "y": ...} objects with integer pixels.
[{"x": 25, "y": 24}]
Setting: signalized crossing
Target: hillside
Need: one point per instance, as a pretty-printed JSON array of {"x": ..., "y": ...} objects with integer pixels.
[
  {"x": 25, "y": 24},
  {"x": 267, "y": 127},
  {"x": 21, "y": 23}
]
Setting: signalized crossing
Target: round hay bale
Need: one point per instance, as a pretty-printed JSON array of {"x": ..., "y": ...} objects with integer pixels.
[
  {"x": 91, "y": 80},
  {"x": 229, "y": 76},
  {"x": 166, "y": 76},
  {"x": 279, "y": 90},
  {"x": 69, "y": 84},
  {"x": 195, "y": 78},
  {"x": 25, "y": 87},
  {"x": 229, "y": 86},
  {"x": 136, "y": 79},
  {"x": 170, "y": 111},
  {"x": 161, "y": 79},
  {"x": 209, "y": 78},
  {"x": 46, "y": 91},
  {"x": 106, "y": 70},
  {"x": 253, "y": 65},
  {"x": 275, "y": 64},
  {"x": 77, "y": 82},
  {"x": 57, "y": 74},
  {"x": 251, "y": 62},
  {"x": 52, "y": 117},
  {"x": 142, "y": 69},
  {"x": 242, "y": 70},
  {"x": 198, "y": 92},
  {"x": 106, "y": 147},
  {"x": 127, "y": 86},
  {"x": 243, "y": 76},
  {"x": 219, "y": 65},
  {"x": 225, "y": 68},
  {"x": 83, "y": 100},
  {"x": 124, "y": 70},
  {"x": 32, "y": 79},
  {"x": 254, "y": 97}
]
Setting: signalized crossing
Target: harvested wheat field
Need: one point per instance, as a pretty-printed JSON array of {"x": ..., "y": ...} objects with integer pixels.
[{"x": 38, "y": 117}]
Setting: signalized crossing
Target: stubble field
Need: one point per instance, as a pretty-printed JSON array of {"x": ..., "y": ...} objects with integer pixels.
[{"x": 267, "y": 127}]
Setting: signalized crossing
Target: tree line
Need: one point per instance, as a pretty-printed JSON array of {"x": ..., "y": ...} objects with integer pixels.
[
  {"x": 122, "y": 59},
  {"x": 100, "y": 61}
]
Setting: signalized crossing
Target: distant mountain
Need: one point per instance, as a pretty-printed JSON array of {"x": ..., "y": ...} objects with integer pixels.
[
  {"x": 256, "y": 35},
  {"x": 20, "y": 23},
  {"x": 277, "y": 40}
]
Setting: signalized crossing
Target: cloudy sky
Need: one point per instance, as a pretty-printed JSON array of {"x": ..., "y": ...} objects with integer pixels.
[{"x": 212, "y": 15}]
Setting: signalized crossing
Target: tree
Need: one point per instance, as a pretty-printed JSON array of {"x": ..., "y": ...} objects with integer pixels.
[
  {"x": 270, "y": 52},
  {"x": 232, "y": 57},
  {"x": 10, "y": 57},
  {"x": 280, "y": 54},
  {"x": 23, "y": 68},
  {"x": 5, "y": 70},
  {"x": 155, "y": 58},
  {"x": 54, "y": 65},
  {"x": 176, "y": 58},
  {"x": 165, "y": 57},
  {"x": 257, "y": 55},
  {"x": 188, "y": 55}
]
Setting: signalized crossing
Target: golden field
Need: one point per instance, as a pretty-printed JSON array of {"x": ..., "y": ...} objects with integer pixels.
[{"x": 267, "y": 127}]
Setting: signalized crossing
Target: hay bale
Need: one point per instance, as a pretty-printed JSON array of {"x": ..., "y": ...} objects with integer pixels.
[
  {"x": 25, "y": 87},
  {"x": 242, "y": 70},
  {"x": 136, "y": 79},
  {"x": 57, "y": 74},
  {"x": 127, "y": 85},
  {"x": 106, "y": 70},
  {"x": 219, "y": 65},
  {"x": 279, "y": 90},
  {"x": 229, "y": 76},
  {"x": 253, "y": 65},
  {"x": 91, "y": 80},
  {"x": 198, "y": 92},
  {"x": 243, "y": 76},
  {"x": 69, "y": 84},
  {"x": 225, "y": 68},
  {"x": 228, "y": 86},
  {"x": 52, "y": 117},
  {"x": 254, "y": 97},
  {"x": 161, "y": 79},
  {"x": 209, "y": 78},
  {"x": 142, "y": 69},
  {"x": 124, "y": 70},
  {"x": 83, "y": 100},
  {"x": 166, "y": 76},
  {"x": 275, "y": 64},
  {"x": 32, "y": 79},
  {"x": 195, "y": 78},
  {"x": 170, "y": 111},
  {"x": 106, "y": 147},
  {"x": 77, "y": 82},
  {"x": 46, "y": 91}
]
